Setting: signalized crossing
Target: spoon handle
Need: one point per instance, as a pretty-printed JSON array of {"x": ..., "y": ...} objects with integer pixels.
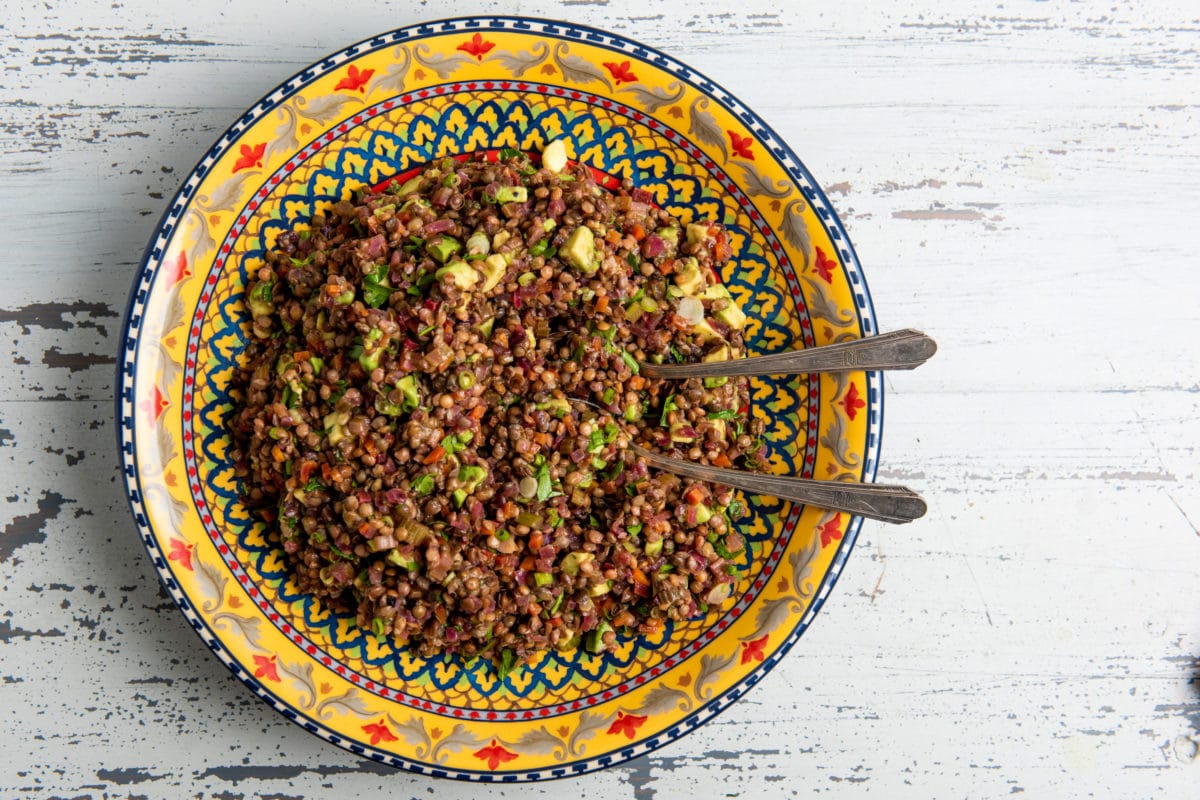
[
  {"x": 904, "y": 349},
  {"x": 874, "y": 501}
]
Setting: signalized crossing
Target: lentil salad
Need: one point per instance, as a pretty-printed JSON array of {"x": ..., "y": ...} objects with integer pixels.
[{"x": 440, "y": 390}]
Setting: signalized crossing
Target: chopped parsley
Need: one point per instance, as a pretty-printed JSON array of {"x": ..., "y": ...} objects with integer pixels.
[
  {"x": 375, "y": 289},
  {"x": 668, "y": 407}
]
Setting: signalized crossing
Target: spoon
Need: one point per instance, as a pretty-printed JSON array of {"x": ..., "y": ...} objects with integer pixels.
[
  {"x": 897, "y": 504},
  {"x": 905, "y": 349},
  {"x": 872, "y": 500}
]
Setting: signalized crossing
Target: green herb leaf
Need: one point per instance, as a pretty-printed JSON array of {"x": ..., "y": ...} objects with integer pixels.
[
  {"x": 633, "y": 260},
  {"x": 508, "y": 660},
  {"x": 509, "y": 152},
  {"x": 630, "y": 362},
  {"x": 668, "y": 407},
  {"x": 723, "y": 414},
  {"x": 544, "y": 486},
  {"x": 634, "y": 530}
]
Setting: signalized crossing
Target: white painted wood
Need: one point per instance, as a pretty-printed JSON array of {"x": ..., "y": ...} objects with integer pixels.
[{"x": 1021, "y": 180}]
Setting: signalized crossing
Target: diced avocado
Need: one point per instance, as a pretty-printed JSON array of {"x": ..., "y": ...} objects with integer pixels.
[
  {"x": 542, "y": 579},
  {"x": 716, "y": 292},
  {"x": 485, "y": 327},
  {"x": 705, "y": 330},
  {"x": 373, "y": 346},
  {"x": 500, "y": 238},
  {"x": 463, "y": 274},
  {"x": 689, "y": 278},
  {"x": 400, "y": 560},
  {"x": 408, "y": 387},
  {"x": 634, "y": 412},
  {"x": 512, "y": 194},
  {"x": 557, "y": 406},
  {"x": 333, "y": 425},
  {"x": 600, "y": 589},
  {"x": 718, "y": 426},
  {"x": 732, "y": 316},
  {"x": 572, "y": 561},
  {"x": 493, "y": 269},
  {"x": 458, "y": 496},
  {"x": 442, "y": 247},
  {"x": 580, "y": 249},
  {"x": 345, "y": 298},
  {"x": 526, "y": 278},
  {"x": 703, "y": 513},
  {"x": 471, "y": 475},
  {"x": 654, "y": 548},
  {"x": 697, "y": 232},
  {"x": 554, "y": 156},
  {"x": 409, "y": 186},
  {"x": 677, "y": 434},
  {"x": 260, "y": 300},
  {"x": 669, "y": 235},
  {"x": 595, "y": 639},
  {"x": 720, "y": 354},
  {"x": 548, "y": 225}
]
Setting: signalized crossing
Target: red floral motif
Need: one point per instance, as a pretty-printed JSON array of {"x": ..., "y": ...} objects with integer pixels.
[
  {"x": 379, "y": 732},
  {"x": 852, "y": 402},
  {"x": 621, "y": 72},
  {"x": 355, "y": 81},
  {"x": 181, "y": 551},
  {"x": 250, "y": 156},
  {"x": 494, "y": 754},
  {"x": 825, "y": 266},
  {"x": 626, "y": 724},
  {"x": 154, "y": 405},
  {"x": 741, "y": 145},
  {"x": 181, "y": 270},
  {"x": 754, "y": 650},
  {"x": 476, "y": 46},
  {"x": 266, "y": 668},
  {"x": 831, "y": 531}
]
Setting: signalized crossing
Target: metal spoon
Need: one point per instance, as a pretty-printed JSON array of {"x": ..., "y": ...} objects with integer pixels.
[
  {"x": 897, "y": 504},
  {"x": 904, "y": 349},
  {"x": 876, "y": 501}
]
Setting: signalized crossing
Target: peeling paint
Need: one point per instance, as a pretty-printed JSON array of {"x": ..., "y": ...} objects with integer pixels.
[
  {"x": 53, "y": 316},
  {"x": 56, "y": 359},
  {"x": 29, "y": 529}
]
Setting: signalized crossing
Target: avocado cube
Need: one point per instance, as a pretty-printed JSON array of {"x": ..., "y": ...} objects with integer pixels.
[
  {"x": 442, "y": 247},
  {"x": 720, "y": 354},
  {"x": 697, "y": 232},
  {"x": 493, "y": 269},
  {"x": 554, "y": 156},
  {"x": 463, "y": 274},
  {"x": 689, "y": 278},
  {"x": 580, "y": 249}
]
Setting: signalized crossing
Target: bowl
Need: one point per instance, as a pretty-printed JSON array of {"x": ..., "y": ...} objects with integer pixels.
[{"x": 378, "y": 109}]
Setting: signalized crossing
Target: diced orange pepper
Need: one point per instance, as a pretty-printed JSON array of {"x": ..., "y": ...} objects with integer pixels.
[
  {"x": 434, "y": 455},
  {"x": 301, "y": 355},
  {"x": 529, "y": 562},
  {"x": 638, "y": 232},
  {"x": 602, "y": 304},
  {"x": 477, "y": 412},
  {"x": 636, "y": 383},
  {"x": 723, "y": 461},
  {"x": 326, "y": 472},
  {"x": 306, "y": 470},
  {"x": 640, "y": 577},
  {"x": 694, "y": 495},
  {"x": 613, "y": 236},
  {"x": 535, "y": 541}
]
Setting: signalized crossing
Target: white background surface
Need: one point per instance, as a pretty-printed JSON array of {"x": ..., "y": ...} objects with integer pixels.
[{"x": 1020, "y": 180}]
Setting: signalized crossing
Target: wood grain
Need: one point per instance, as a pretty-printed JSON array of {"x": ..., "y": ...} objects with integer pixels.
[{"x": 1021, "y": 181}]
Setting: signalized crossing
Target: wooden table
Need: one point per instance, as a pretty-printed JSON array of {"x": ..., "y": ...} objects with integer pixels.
[{"x": 1023, "y": 182}]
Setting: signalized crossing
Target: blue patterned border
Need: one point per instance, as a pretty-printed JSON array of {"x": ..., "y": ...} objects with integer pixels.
[{"x": 151, "y": 261}]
